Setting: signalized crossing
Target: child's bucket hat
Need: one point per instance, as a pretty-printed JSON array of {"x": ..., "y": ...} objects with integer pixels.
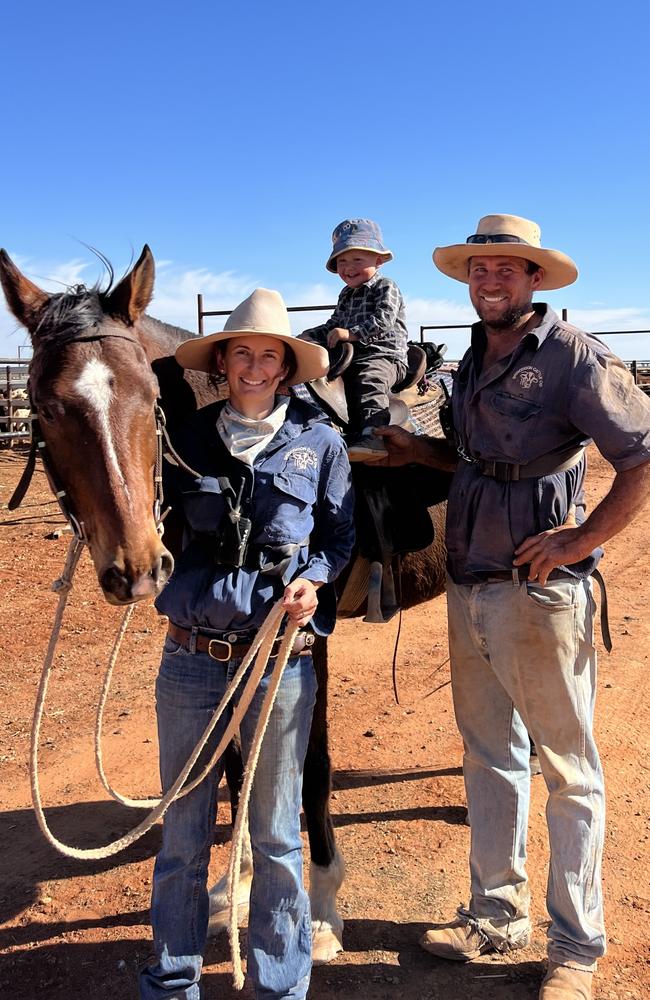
[{"x": 357, "y": 234}]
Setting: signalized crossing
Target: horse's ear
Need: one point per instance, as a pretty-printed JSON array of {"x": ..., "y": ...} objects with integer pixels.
[
  {"x": 130, "y": 298},
  {"x": 23, "y": 297}
]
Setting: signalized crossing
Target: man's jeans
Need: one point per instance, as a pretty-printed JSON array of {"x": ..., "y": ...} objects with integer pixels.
[
  {"x": 523, "y": 662},
  {"x": 188, "y": 689}
]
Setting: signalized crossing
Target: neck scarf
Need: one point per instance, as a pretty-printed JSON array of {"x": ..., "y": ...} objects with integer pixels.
[{"x": 246, "y": 437}]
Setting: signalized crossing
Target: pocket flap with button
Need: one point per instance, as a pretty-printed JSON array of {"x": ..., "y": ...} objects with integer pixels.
[{"x": 514, "y": 406}]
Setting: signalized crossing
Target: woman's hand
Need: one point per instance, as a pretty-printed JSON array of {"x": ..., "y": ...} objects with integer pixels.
[{"x": 300, "y": 600}]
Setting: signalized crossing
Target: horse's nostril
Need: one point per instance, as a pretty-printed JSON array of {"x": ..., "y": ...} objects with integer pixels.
[
  {"x": 163, "y": 568},
  {"x": 113, "y": 581}
]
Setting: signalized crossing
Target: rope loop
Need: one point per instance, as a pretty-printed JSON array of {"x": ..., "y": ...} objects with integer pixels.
[{"x": 259, "y": 652}]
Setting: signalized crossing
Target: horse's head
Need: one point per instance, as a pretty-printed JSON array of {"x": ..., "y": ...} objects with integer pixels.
[{"x": 93, "y": 391}]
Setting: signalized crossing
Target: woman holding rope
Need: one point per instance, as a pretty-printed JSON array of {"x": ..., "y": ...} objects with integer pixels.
[{"x": 269, "y": 517}]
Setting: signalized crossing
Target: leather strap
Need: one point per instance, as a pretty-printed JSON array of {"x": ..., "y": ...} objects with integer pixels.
[{"x": 223, "y": 649}]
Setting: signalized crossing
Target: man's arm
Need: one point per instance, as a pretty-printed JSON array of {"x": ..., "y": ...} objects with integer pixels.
[
  {"x": 404, "y": 448},
  {"x": 565, "y": 545}
]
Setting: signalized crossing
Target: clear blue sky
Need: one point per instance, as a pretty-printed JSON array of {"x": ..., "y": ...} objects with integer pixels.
[{"x": 233, "y": 138}]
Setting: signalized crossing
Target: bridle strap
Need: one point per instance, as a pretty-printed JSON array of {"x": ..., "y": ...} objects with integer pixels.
[
  {"x": 38, "y": 445},
  {"x": 18, "y": 494},
  {"x": 164, "y": 449}
]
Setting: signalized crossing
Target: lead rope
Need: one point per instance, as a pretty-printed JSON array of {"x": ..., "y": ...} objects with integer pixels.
[{"x": 264, "y": 644}]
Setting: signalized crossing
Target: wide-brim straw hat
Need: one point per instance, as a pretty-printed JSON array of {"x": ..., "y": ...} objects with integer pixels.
[
  {"x": 506, "y": 236},
  {"x": 262, "y": 313},
  {"x": 357, "y": 234}
]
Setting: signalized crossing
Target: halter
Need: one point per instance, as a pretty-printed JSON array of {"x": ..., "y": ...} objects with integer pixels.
[{"x": 39, "y": 447}]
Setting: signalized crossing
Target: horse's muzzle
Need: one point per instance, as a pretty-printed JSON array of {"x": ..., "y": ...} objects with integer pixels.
[{"x": 122, "y": 586}]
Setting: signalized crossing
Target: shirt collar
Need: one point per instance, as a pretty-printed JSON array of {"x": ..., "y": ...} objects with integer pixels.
[
  {"x": 549, "y": 319},
  {"x": 367, "y": 284}
]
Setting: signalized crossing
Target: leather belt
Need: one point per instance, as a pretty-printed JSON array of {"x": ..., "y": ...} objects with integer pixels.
[
  {"x": 507, "y": 472},
  {"x": 515, "y": 575},
  {"x": 224, "y": 649}
]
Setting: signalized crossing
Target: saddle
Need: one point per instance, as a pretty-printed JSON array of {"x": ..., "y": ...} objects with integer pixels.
[{"x": 392, "y": 505}]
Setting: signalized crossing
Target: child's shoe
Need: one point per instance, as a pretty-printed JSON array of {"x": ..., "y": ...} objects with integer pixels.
[{"x": 366, "y": 448}]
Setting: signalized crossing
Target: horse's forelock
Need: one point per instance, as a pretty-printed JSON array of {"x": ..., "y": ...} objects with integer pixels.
[{"x": 67, "y": 314}]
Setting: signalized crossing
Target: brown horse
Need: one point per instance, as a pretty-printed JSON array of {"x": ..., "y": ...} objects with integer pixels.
[{"x": 99, "y": 363}]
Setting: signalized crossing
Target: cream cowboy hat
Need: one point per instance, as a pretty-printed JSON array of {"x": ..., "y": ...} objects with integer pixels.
[
  {"x": 264, "y": 313},
  {"x": 506, "y": 236}
]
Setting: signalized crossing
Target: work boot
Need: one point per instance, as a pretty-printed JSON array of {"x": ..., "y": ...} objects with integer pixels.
[
  {"x": 563, "y": 983},
  {"x": 459, "y": 941}
]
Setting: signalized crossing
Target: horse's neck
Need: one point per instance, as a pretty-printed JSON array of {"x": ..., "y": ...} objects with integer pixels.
[{"x": 160, "y": 339}]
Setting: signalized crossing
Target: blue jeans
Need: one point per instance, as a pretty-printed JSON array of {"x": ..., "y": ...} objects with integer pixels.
[
  {"x": 523, "y": 661},
  {"x": 188, "y": 689}
]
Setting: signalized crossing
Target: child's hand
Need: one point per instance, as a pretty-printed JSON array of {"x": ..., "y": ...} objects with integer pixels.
[{"x": 338, "y": 333}]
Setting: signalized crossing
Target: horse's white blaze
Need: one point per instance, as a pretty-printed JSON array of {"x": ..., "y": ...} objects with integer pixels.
[{"x": 94, "y": 384}]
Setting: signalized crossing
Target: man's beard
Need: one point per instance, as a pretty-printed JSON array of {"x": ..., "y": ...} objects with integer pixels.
[{"x": 511, "y": 318}]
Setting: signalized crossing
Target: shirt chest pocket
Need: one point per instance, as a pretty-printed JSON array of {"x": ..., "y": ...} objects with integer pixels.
[
  {"x": 514, "y": 406},
  {"x": 289, "y": 511},
  {"x": 205, "y": 506}
]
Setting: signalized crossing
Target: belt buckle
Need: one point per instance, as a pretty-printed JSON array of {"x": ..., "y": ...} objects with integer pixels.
[{"x": 221, "y": 642}]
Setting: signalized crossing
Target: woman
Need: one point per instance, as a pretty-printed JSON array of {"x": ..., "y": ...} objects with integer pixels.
[{"x": 270, "y": 516}]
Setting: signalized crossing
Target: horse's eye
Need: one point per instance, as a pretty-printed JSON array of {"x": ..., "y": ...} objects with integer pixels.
[{"x": 46, "y": 414}]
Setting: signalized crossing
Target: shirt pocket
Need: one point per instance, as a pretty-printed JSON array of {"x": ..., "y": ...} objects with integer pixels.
[
  {"x": 290, "y": 508},
  {"x": 514, "y": 406},
  {"x": 205, "y": 506}
]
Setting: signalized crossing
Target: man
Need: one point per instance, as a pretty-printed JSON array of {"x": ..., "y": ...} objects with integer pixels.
[{"x": 528, "y": 396}]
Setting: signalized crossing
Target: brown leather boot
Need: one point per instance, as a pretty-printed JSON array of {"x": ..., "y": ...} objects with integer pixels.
[
  {"x": 563, "y": 983},
  {"x": 458, "y": 941}
]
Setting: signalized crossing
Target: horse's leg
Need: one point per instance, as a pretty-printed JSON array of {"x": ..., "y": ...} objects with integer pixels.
[
  {"x": 219, "y": 911},
  {"x": 327, "y": 867}
]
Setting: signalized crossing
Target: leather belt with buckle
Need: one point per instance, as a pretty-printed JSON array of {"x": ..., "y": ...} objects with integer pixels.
[{"x": 224, "y": 649}]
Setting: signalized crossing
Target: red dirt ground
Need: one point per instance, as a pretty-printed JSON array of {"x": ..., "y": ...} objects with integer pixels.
[{"x": 78, "y": 930}]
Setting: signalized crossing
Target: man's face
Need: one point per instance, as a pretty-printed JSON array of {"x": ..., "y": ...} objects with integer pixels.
[
  {"x": 501, "y": 290},
  {"x": 355, "y": 267}
]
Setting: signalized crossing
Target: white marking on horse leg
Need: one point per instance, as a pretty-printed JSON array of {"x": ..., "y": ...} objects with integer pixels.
[
  {"x": 94, "y": 384},
  {"x": 326, "y": 924},
  {"x": 219, "y": 909}
]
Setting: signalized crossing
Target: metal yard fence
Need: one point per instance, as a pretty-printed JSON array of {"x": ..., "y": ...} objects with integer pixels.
[{"x": 15, "y": 418}]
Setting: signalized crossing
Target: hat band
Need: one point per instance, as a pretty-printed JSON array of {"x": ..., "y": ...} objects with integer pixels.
[{"x": 496, "y": 238}]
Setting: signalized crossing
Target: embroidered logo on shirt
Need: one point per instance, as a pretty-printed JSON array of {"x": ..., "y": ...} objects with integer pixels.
[
  {"x": 529, "y": 376},
  {"x": 303, "y": 458}
]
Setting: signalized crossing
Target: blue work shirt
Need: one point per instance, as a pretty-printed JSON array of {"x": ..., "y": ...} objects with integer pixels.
[
  {"x": 558, "y": 390},
  {"x": 298, "y": 497}
]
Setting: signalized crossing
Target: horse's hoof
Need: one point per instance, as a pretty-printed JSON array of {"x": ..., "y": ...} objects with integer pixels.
[{"x": 326, "y": 943}]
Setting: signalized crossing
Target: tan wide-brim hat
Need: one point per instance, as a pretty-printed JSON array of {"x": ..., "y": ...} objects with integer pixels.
[
  {"x": 262, "y": 313},
  {"x": 506, "y": 236}
]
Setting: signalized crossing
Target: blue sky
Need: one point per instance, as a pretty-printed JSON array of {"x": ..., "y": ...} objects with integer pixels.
[{"x": 233, "y": 138}]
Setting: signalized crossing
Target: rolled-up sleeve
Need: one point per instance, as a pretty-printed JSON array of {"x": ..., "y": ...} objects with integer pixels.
[
  {"x": 605, "y": 404},
  {"x": 332, "y": 539}
]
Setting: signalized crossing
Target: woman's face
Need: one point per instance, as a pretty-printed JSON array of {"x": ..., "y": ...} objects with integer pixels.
[{"x": 254, "y": 367}]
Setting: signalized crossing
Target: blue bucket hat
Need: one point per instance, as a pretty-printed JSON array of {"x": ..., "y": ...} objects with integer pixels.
[{"x": 356, "y": 234}]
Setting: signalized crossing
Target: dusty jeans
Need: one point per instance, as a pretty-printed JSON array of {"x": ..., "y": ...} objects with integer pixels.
[
  {"x": 523, "y": 661},
  {"x": 189, "y": 688}
]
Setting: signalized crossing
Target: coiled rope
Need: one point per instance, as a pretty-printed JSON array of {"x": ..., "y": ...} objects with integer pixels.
[{"x": 263, "y": 644}]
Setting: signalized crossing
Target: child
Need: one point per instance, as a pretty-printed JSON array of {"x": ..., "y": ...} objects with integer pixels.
[{"x": 370, "y": 314}]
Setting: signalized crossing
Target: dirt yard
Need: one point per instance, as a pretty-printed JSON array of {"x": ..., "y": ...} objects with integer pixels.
[{"x": 80, "y": 930}]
